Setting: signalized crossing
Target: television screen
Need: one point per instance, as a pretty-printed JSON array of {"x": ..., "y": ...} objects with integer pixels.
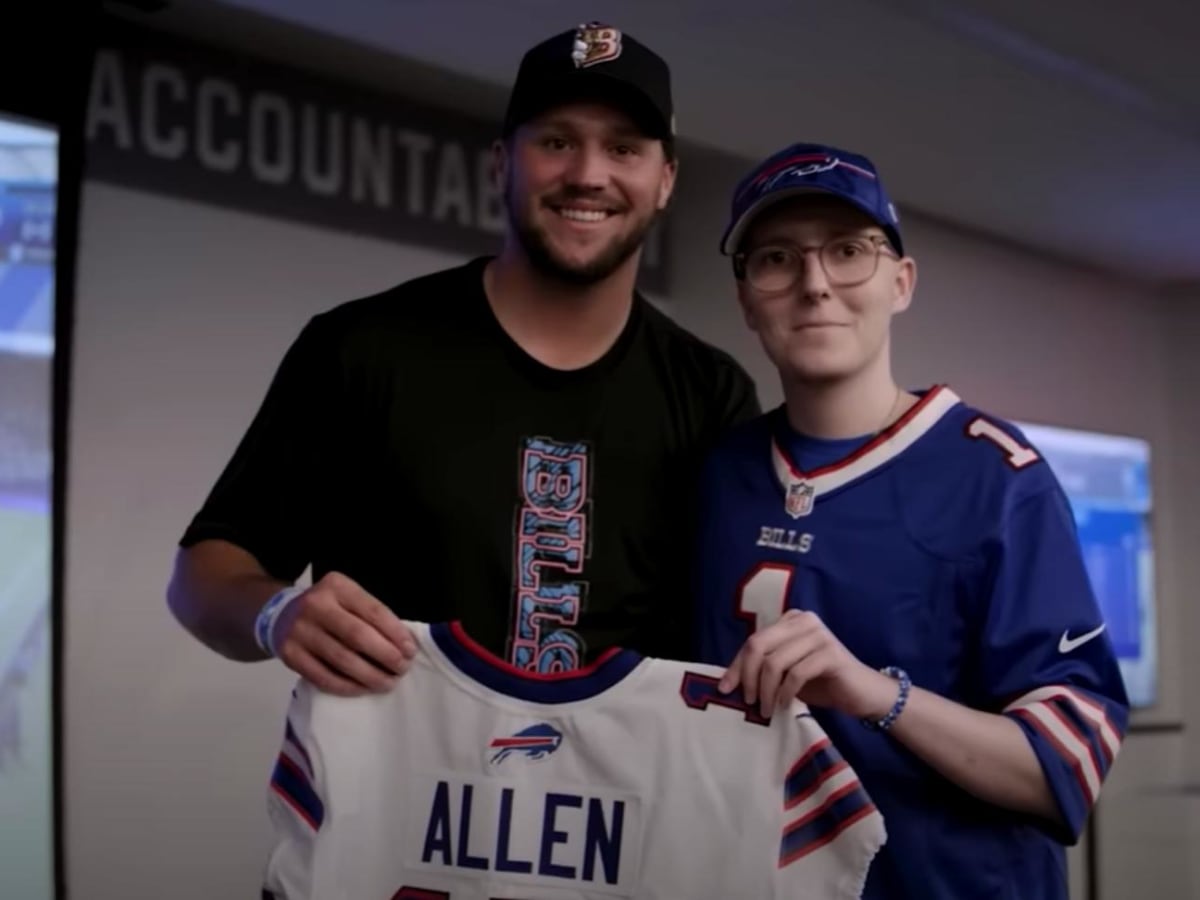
[
  {"x": 1107, "y": 481},
  {"x": 28, "y": 178}
]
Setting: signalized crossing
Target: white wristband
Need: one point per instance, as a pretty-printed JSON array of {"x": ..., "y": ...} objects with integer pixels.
[{"x": 264, "y": 625}]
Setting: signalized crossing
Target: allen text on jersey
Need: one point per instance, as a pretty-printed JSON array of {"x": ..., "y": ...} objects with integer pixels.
[{"x": 532, "y": 831}]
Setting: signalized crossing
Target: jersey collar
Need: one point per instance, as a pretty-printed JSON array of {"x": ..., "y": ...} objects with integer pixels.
[
  {"x": 463, "y": 653},
  {"x": 801, "y": 489}
]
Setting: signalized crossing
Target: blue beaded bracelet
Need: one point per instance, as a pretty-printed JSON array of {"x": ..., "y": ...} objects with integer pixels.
[{"x": 898, "y": 707}]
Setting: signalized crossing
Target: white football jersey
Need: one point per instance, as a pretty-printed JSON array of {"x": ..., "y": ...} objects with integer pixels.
[{"x": 634, "y": 777}]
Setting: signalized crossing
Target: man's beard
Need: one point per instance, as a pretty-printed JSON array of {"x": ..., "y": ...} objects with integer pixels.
[{"x": 542, "y": 257}]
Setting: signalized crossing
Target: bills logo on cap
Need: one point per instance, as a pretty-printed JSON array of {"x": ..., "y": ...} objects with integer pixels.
[
  {"x": 804, "y": 169},
  {"x": 595, "y": 43},
  {"x": 799, "y": 501},
  {"x": 798, "y": 167}
]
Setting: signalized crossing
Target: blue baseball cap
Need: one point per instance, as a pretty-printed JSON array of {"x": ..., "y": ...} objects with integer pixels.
[{"x": 811, "y": 169}]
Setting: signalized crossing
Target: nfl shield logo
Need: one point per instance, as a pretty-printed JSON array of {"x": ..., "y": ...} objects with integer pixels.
[{"x": 799, "y": 500}]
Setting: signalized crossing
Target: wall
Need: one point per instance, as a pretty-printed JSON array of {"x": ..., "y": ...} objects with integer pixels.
[{"x": 183, "y": 312}]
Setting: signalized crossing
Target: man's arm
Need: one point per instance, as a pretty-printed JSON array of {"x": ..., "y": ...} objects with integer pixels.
[
  {"x": 253, "y": 537},
  {"x": 335, "y": 634},
  {"x": 216, "y": 591}
]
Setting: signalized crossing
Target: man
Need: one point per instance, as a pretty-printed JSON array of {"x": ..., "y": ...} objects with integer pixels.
[
  {"x": 510, "y": 443},
  {"x": 902, "y": 562}
]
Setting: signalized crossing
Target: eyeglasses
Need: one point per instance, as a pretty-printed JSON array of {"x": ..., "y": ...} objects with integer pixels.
[{"x": 847, "y": 261}]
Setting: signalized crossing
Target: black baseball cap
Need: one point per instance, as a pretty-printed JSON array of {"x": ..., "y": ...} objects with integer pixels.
[{"x": 594, "y": 61}]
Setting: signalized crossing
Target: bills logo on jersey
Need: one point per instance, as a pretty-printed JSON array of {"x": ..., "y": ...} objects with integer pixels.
[
  {"x": 535, "y": 742},
  {"x": 799, "y": 501}
]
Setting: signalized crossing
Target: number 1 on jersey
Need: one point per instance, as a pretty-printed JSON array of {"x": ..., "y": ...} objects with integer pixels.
[
  {"x": 762, "y": 596},
  {"x": 700, "y": 692},
  {"x": 1018, "y": 455},
  {"x": 761, "y": 599}
]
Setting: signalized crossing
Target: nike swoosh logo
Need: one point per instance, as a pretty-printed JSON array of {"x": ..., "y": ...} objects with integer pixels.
[{"x": 1066, "y": 644}]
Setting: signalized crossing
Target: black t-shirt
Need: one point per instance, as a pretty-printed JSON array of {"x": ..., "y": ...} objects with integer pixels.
[{"x": 408, "y": 443}]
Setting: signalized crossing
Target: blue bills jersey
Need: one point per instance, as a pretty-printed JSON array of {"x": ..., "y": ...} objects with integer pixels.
[{"x": 944, "y": 546}]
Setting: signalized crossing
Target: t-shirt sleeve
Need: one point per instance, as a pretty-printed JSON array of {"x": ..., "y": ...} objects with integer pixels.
[
  {"x": 1046, "y": 659},
  {"x": 262, "y": 501}
]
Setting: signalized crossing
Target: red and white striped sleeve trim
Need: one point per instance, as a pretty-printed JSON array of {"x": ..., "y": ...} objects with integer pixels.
[{"x": 1078, "y": 727}]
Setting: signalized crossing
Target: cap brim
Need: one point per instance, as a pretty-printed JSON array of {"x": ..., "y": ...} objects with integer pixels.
[
  {"x": 586, "y": 86},
  {"x": 735, "y": 233}
]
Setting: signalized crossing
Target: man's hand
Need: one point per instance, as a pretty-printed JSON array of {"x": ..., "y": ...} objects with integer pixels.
[
  {"x": 798, "y": 656},
  {"x": 343, "y": 640}
]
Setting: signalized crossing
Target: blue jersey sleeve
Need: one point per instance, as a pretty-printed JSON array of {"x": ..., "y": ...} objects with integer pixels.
[{"x": 1045, "y": 657}]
